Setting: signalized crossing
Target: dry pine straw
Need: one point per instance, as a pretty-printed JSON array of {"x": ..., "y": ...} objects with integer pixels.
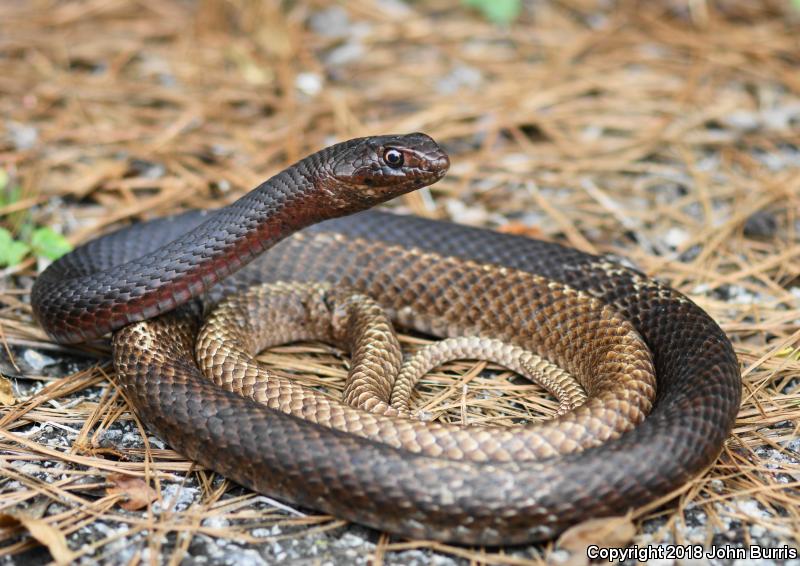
[{"x": 665, "y": 132}]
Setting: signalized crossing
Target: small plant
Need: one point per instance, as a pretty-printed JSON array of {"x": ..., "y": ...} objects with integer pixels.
[
  {"x": 11, "y": 251},
  {"x": 41, "y": 241},
  {"x": 497, "y": 11}
]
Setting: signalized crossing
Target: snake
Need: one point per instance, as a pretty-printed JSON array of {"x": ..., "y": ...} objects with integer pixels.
[{"x": 648, "y": 357}]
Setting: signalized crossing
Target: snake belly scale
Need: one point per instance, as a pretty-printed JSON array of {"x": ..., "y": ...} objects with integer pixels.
[{"x": 139, "y": 283}]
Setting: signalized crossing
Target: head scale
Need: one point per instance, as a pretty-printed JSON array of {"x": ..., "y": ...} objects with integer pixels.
[{"x": 368, "y": 171}]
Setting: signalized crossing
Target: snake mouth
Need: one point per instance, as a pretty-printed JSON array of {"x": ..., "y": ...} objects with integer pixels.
[{"x": 441, "y": 165}]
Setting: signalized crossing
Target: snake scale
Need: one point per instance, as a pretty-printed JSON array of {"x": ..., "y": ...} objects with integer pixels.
[{"x": 431, "y": 276}]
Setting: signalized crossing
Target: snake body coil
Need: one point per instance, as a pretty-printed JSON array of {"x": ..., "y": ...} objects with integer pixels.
[{"x": 129, "y": 276}]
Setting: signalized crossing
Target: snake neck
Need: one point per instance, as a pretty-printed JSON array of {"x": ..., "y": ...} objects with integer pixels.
[{"x": 86, "y": 295}]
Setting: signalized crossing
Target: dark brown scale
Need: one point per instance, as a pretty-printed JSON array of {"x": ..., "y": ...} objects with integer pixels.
[{"x": 699, "y": 385}]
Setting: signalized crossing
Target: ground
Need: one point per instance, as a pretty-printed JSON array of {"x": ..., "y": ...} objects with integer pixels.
[{"x": 666, "y": 133}]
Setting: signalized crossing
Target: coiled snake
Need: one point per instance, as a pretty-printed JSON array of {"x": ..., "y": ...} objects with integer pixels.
[{"x": 477, "y": 486}]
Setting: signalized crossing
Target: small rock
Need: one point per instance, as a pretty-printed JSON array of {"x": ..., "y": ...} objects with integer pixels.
[
  {"x": 345, "y": 54},
  {"x": 156, "y": 442},
  {"x": 761, "y": 224},
  {"x": 463, "y": 214},
  {"x": 109, "y": 439},
  {"x": 216, "y": 522},
  {"x": 37, "y": 360},
  {"x": 333, "y": 22},
  {"x": 743, "y": 120},
  {"x": 308, "y": 83},
  {"x": 462, "y": 76},
  {"x": 675, "y": 237},
  {"x": 23, "y": 137},
  {"x": 148, "y": 169},
  {"x": 176, "y": 498}
]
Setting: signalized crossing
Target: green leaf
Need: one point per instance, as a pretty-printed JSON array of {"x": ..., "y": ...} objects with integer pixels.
[
  {"x": 497, "y": 11},
  {"x": 11, "y": 251},
  {"x": 48, "y": 243},
  {"x": 9, "y": 194},
  {"x": 796, "y": 4}
]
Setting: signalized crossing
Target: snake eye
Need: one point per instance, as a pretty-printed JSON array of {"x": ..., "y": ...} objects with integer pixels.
[{"x": 393, "y": 158}]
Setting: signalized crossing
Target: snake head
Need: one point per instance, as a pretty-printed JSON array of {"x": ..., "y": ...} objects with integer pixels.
[{"x": 368, "y": 171}]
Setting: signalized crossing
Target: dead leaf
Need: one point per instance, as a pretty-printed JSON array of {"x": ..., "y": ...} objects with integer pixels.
[
  {"x": 6, "y": 392},
  {"x": 520, "y": 229},
  {"x": 607, "y": 532},
  {"x": 135, "y": 490},
  {"x": 43, "y": 532}
]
